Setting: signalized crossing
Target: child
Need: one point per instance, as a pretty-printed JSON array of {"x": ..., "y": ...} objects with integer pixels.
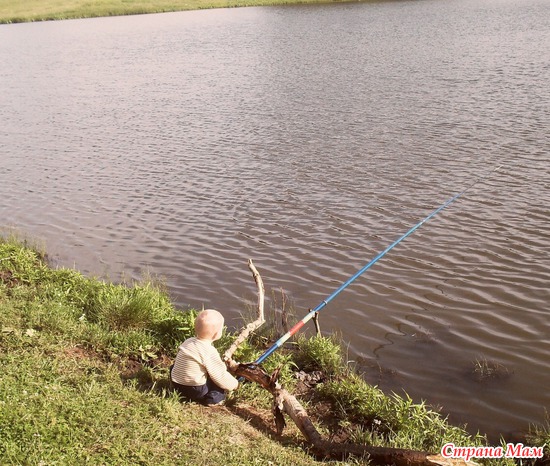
[{"x": 198, "y": 372}]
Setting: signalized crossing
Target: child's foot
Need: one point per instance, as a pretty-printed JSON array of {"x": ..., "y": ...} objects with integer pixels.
[{"x": 219, "y": 403}]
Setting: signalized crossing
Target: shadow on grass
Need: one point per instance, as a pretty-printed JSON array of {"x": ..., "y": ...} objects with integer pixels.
[{"x": 153, "y": 377}]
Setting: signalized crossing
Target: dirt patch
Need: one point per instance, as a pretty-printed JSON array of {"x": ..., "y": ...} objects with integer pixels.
[
  {"x": 162, "y": 361},
  {"x": 76, "y": 352},
  {"x": 130, "y": 368},
  {"x": 7, "y": 277},
  {"x": 320, "y": 411},
  {"x": 262, "y": 421},
  {"x": 149, "y": 374}
]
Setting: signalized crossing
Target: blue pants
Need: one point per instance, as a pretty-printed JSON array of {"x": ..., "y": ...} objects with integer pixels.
[{"x": 208, "y": 394}]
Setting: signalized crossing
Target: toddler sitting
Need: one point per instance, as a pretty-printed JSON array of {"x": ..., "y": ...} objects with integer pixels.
[{"x": 198, "y": 372}]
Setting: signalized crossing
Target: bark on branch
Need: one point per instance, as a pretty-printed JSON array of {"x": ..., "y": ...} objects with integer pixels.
[
  {"x": 286, "y": 403},
  {"x": 245, "y": 332}
]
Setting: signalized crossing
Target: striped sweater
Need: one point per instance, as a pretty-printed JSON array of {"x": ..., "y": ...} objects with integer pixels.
[{"x": 197, "y": 359}]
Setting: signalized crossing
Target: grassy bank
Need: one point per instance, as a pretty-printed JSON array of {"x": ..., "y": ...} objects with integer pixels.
[
  {"x": 85, "y": 381},
  {"x": 42, "y": 10},
  {"x": 84, "y": 377}
]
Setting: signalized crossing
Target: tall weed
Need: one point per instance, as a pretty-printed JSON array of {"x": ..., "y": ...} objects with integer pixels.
[
  {"x": 319, "y": 353},
  {"x": 391, "y": 420}
]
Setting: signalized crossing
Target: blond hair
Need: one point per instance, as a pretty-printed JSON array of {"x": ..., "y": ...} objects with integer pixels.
[{"x": 209, "y": 325}]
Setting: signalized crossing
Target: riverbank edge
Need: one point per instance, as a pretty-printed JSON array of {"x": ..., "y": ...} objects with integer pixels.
[
  {"x": 36, "y": 11},
  {"x": 121, "y": 339}
]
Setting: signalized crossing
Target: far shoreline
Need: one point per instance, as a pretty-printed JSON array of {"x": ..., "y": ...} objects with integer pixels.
[{"x": 48, "y": 10}]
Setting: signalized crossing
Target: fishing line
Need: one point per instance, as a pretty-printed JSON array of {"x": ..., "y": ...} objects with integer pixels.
[{"x": 354, "y": 277}]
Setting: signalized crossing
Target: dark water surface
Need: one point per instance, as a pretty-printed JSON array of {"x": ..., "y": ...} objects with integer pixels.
[{"x": 308, "y": 139}]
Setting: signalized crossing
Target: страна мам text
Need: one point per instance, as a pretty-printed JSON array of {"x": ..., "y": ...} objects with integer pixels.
[{"x": 512, "y": 450}]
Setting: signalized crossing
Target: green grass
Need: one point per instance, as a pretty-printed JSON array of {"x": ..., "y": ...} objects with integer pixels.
[
  {"x": 40, "y": 10},
  {"x": 319, "y": 354},
  {"x": 58, "y": 409},
  {"x": 67, "y": 391},
  {"x": 391, "y": 420},
  {"x": 85, "y": 381},
  {"x": 540, "y": 435}
]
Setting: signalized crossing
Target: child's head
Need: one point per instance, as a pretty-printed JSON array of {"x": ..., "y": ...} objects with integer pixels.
[{"x": 209, "y": 325}]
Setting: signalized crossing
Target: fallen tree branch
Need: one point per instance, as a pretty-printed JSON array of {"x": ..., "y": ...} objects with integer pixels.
[
  {"x": 286, "y": 403},
  {"x": 245, "y": 332}
]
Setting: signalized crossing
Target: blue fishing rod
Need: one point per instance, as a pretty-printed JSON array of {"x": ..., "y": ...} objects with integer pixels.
[{"x": 347, "y": 283}]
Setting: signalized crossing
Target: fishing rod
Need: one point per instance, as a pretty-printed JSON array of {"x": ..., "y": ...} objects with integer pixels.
[{"x": 344, "y": 285}]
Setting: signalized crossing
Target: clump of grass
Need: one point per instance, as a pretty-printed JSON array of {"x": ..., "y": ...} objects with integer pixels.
[
  {"x": 485, "y": 370},
  {"x": 119, "y": 319},
  {"x": 139, "y": 307},
  {"x": 390, "y": 420},
  {"x": 539, "y": 435},
  {"x": 319, "y": 353}
]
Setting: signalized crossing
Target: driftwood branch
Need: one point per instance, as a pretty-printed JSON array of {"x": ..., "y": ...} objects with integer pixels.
[
  {"x": 245, "y": 332},
  {"x": 286, "y": 403}
]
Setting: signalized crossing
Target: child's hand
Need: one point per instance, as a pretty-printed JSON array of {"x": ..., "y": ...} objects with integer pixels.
[{"x": 231, "y": 365}]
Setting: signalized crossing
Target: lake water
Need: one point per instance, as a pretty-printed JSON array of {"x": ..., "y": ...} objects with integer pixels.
[{"x": 308, "y": 139}]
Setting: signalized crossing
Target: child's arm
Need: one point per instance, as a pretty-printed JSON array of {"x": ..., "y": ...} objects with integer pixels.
[{"x": 217, "y": 371}]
